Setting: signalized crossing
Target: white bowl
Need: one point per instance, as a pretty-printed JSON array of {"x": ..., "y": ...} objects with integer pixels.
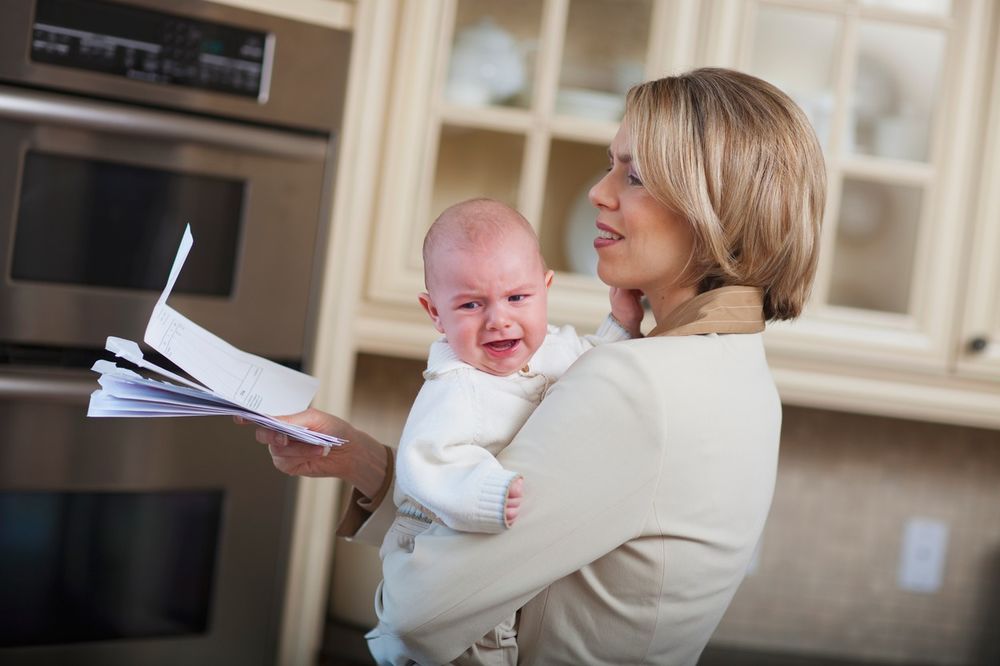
[{"x": 593, "y": 104}]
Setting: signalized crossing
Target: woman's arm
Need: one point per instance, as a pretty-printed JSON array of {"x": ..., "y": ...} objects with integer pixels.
[
  {"x": 592, "y": 464},
  {"x": 363, "y": 461}
]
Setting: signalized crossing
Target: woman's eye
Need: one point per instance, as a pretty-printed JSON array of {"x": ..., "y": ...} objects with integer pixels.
[{"x": 633, "y": 179}]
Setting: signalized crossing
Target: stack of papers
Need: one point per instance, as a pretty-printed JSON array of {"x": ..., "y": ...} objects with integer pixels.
[{"x": 233, "y": 382}]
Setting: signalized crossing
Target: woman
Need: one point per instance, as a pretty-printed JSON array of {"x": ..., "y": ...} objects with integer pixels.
[{"x": 650, "y": 465}]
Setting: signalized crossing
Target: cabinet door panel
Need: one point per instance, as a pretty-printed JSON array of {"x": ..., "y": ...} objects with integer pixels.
[
  {"x": 568, "y": 219},
  {"x": 896, "y": 90},
  {"x": 797, "y": 51},
  {"x": 604, "y": 52},
  {"x": 492, "y": 53},
  {"x": 876, "y": 244},
  {"x": 881, "y": 82}
]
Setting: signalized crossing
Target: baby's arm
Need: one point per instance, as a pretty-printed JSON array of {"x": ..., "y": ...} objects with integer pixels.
[{"x": 441, "y": 465}]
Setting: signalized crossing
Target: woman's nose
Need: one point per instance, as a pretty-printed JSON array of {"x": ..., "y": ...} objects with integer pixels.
[{"x": 601, "y": 194}]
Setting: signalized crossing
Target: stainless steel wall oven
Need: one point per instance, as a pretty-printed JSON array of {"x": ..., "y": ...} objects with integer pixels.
[{"x": 151, "y": 541}]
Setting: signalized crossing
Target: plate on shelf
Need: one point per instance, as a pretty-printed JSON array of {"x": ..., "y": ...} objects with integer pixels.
[
  {"x": 580, "y": 232},
  {"x": 593, "y": 104}
]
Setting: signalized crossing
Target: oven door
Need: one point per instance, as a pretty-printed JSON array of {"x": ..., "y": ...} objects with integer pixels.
[
  {"x": 145, "y": 541},
  {"x": 93, "y": 200}
]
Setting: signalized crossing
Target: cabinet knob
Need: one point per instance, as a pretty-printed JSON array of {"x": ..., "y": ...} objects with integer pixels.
[{"x": 978, "y": 344}]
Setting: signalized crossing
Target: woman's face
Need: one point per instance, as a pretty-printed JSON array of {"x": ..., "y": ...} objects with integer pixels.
[{"x": 640, "y": 243}]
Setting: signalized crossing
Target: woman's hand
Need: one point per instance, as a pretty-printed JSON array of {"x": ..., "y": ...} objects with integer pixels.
[
  {"x": 362, "y": 461},
  {"x": 626, "y": 308}
]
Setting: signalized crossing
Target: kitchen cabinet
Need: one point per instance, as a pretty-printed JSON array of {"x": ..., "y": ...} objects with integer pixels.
[
  {"x": 517, "y": 101},
  {"x": 897, "y": 91},
  {"x": 978, "y": 344},
  {"x": 893, "y": 90}
]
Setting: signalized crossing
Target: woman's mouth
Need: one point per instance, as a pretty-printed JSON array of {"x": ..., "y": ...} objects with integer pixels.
[
  {"x": 606, "y": 237},
  {"x": 500, "y": 348}
]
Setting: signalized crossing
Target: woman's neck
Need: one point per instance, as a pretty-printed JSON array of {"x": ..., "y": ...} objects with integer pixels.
[{"x": 665, "y": 301}]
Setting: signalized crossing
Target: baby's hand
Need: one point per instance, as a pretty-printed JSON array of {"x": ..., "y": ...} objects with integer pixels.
[
  {"x": 515, "y": 491},
  {"x": 626, "y": 308}
]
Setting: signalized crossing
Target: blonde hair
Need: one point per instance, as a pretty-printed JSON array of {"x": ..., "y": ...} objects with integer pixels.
[
  {"x": 478, "y": 222},
  {"x": 737, "y": 159}
]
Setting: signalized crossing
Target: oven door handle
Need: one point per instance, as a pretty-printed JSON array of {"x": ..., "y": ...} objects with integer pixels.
[
  {"x": 37, "y": 107},
  {"x": 49, "y": 389}
]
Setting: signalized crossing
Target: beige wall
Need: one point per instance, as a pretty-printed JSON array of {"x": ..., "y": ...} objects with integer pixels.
[
  {"x": 825, "y": 581},
  {"x": 826, "y": 578}
]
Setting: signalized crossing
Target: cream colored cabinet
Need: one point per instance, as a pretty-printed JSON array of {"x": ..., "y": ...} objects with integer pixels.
[
  {"x": 515, "y": 100},
  {"x": 518, "y": 100},
  {"x": 897, "y": 91},
  {"x": 892, "y": 88},
  {"x": 978, "y": 347}
]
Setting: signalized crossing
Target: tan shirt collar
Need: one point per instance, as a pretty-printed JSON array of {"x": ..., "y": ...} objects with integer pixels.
[{"x": 724, "y": 310}]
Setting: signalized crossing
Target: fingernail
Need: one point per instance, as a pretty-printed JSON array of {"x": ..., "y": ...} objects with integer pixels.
[
  {"x": 281, "y": 439},
  {"x": 260, "y": 436}
]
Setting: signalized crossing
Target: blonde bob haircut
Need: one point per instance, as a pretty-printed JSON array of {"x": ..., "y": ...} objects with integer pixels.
[{"x": 737, "y": 159}]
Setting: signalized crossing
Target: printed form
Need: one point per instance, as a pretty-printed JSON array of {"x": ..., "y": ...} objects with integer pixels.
[{"x": 233, "y": 381}]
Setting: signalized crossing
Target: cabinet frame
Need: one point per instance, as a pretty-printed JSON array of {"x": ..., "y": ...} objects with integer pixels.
[{"x": 920, "y": 340}]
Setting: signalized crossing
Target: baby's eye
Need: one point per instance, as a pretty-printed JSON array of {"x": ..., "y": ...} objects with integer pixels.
[
  {"x": 471, "y": 305},
  {"x": 517, "y": 298}
]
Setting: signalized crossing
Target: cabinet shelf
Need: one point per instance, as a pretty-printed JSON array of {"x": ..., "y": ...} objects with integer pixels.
[{"x": 500, "y": 118}]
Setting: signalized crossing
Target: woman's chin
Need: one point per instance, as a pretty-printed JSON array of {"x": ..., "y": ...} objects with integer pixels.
[{"x": 608, "y": 276}]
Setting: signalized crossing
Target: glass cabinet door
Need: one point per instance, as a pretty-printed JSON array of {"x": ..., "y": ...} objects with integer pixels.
[
  {"x": 881, "y": 81},
  {"x": 977, "y": 351},
  {"x": 516, "y": 100}
]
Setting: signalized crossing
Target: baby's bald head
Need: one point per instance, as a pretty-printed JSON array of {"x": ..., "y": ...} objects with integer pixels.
[{"x": 474, "y": 224}]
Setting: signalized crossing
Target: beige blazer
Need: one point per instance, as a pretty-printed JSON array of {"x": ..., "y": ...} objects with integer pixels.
[{"x": 649, "y": 470}]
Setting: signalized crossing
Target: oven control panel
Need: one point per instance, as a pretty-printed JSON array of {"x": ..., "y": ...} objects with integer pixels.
[{"x": 146, "y": 45}]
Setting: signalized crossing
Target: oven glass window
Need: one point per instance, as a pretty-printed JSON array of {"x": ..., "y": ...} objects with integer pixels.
[
  {"x": 85, "y": 566},
  {"x": 106, "y": 224}
]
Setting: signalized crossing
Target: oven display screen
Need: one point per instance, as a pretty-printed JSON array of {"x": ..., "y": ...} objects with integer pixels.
[
  {"x": 85, "y": 566},
  {"x": 106, "y": 224},
  {"x": 152, "y": 46}
]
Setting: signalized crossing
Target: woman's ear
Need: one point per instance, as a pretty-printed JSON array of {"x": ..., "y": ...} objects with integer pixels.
[
  {"x": 428, "y": 305},
  {"x": 549, "y": 274}
]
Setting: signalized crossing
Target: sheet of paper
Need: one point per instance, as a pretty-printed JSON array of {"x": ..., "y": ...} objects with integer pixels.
[
  {"x": 246, "y": 379},
  {"x": 128, "y": 394},
  {"x": 234, "y": 382}
]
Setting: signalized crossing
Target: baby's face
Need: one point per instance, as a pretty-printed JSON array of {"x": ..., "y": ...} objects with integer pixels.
[{"x": 491, "y": 303}]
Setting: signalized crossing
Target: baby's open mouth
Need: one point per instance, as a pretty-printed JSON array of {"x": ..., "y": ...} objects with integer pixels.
[{"x": 502, "y": 345}]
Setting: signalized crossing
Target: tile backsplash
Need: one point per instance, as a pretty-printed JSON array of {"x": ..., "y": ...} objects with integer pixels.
[
  {"x": 827, "y": 570},
  {"x": 825, "y": 579}
]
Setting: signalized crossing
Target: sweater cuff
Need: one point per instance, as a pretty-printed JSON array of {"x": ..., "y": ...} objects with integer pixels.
[
  {"x": 611, "y": 330},
  {"x": 360, "y": 508},
  {"x": 488, "y": 514}
]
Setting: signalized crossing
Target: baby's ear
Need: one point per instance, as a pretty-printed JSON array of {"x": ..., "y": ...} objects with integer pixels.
[
  {"x": 428, "y": 305},
  {"x": 549, "y": 274}
]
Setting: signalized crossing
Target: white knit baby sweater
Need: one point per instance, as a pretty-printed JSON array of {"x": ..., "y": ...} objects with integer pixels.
[{"x": 463, "y": 417}]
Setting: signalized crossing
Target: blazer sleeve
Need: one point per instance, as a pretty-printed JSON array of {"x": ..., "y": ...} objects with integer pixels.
[
  {"x": 591, "y": 463},
  {"x": 440, "y": 462}
]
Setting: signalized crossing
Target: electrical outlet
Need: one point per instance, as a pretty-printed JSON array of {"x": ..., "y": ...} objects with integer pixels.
[{"x": 921, "y": 559}]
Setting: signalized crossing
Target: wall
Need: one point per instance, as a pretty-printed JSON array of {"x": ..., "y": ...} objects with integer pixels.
[
  {"x": 825, "y": 579},
  {"x": 826, "y": 575}
]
